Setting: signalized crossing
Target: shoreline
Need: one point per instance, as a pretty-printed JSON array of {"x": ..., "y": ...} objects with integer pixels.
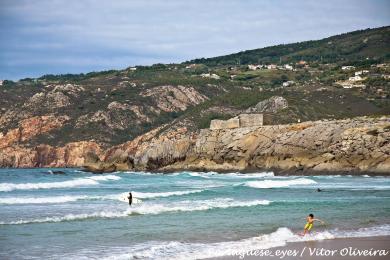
[
  {"x": 338, "y": 249},
  {"x": 277, "y": 172}
]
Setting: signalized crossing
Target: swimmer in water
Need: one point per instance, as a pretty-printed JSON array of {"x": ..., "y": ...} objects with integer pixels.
[{"x": 309, "y": 224}]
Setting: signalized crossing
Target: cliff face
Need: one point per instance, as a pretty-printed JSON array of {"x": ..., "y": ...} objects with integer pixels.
[
  {"x": 344, "y": 145},
  {"x": 360, "y": 144},
  {"x": 15, "y": 151},
  {"x": 31, "y": 127},
  {"x": 71, "y": 155}
]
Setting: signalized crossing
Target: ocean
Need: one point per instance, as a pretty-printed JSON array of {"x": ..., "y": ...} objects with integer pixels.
[{"x": 183, "y": 215}]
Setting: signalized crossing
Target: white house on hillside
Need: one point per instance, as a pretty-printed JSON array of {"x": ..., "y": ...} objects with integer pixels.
[
  {"x": 288, "y": 83},
  {"x": 361, "y": 72},
  {"x": 254, "y": 67},
  {"x": 272, "y": 67},
  {"x": 355, "y": 78}
]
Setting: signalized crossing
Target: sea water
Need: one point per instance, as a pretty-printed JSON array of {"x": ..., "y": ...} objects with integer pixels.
[{"x": 183, "y": 215}]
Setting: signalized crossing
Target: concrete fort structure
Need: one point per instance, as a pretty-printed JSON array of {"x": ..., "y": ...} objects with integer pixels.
[{"x": 242, "y": 120}]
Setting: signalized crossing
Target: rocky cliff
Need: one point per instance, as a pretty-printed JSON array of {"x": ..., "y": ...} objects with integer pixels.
[
  {"x": 361, "y": 145},
  {"x": 351, "y": 145}
]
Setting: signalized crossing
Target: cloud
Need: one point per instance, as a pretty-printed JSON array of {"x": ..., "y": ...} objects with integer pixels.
[{"x": 52, "y": 36}]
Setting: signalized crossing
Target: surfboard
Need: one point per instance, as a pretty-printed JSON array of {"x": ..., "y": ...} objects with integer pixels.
[{"x": 124, "y": 198}]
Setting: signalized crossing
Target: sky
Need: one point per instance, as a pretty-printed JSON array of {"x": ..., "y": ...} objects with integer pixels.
[{"x": 77, "y": 36}]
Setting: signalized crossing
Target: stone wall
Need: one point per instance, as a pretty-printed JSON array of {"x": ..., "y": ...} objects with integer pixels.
[
  {"x": 243, "y": 120},
  {"x": 224, "y": 124},
  {"x": 248, "y": 120}
]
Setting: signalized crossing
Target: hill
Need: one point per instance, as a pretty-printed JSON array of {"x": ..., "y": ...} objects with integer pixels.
[
  {"x": 363, "y": 46},
  {"x": 112, "y": 107}
]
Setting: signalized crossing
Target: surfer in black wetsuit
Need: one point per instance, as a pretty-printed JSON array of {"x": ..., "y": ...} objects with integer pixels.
[{"x": 130, "y": 197}]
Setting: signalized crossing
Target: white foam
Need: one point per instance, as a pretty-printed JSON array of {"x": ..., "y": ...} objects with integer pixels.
[
  {"x": 147, "y": 195},
  {"x": 199, "y": 205},
  {"x": 52, "y": 185},
  {"x": 205, "y": 175},
  {"x": 149, "y": 208},
  {"x": 250, "y": 175},
  {"x": 180, "y": 250},
  {"x": 267, "y": 184},
  {"x": 69, "y": 217},
  {"x": 105, "y": 178},
  {"x": 208, "y": 175},
  {"x": 327, "y": 176},
  {"x": 40, "y": 200}
]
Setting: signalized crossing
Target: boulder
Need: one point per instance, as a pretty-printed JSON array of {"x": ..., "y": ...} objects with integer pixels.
[{"x": 271, "y": 105}]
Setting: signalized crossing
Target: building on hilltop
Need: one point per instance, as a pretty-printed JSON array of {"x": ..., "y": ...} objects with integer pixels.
[{"x": 242, "y": 120}]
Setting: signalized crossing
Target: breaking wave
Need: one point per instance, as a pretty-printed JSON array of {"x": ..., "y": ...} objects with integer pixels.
[
  {"x": 267, "y": 184},
  {"x": 208, "y": 175},
  {"x": 68, "y": 198},
  {"x": 93, "y": 180},
  {"x": 181, "y": 250},
  {"x": 149, "y": 208},
  {"x": 41, "y": 200},
  {"x": 147, "y": 195}
]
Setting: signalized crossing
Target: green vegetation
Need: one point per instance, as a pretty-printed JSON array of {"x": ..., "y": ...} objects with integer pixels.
[{"x": 352, "y": 47}]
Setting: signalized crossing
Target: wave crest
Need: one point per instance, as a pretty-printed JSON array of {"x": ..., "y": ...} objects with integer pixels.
[
  {"x": 40, "y": 200},
  {"x": 267, "y": 184},
  {"x": 94, "y": 180},
  {"x": 147, "y": 195},
  {"x": 149, "y": 208},
  {"x": 181, "y": 250}
]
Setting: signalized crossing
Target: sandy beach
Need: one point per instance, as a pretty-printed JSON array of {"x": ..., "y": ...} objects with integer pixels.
[{"x": 340, "y": 248}]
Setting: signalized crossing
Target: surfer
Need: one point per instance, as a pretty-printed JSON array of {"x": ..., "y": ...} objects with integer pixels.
[
  {"x": 310, "y": 222},
  {"x": 319, "y": 190},
  {"x": 130, "y": 198}
]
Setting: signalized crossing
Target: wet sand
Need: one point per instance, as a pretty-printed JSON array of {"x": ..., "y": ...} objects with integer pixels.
[{"x": 343, "y": 248}]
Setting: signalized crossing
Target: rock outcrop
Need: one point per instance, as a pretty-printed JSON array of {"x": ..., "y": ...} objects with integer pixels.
[
  {"x": 31, "y": 127},
  {"x": 271, "y": 105},
  {"x": 174, "y": 98},
  {"x": 345, "y": 145},
  {"x": 351, "y": 145}
]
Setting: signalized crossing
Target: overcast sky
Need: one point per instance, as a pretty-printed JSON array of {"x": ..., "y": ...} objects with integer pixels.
[{"x": 72, "y": 36}]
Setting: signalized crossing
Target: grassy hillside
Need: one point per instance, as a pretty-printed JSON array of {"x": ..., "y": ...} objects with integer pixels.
[{"x": 354, "y": 47}]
